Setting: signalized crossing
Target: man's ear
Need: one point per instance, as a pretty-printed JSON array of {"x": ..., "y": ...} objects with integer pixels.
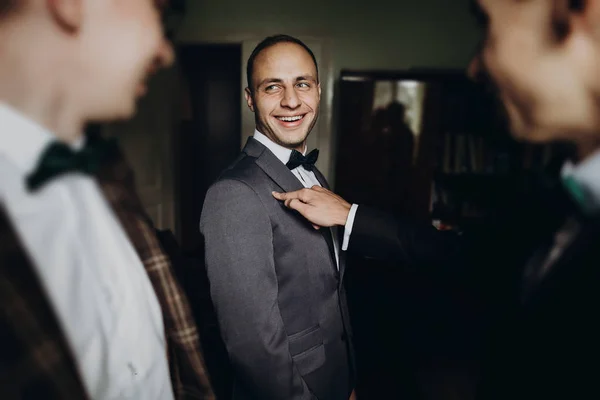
[
  {"x": 67, "y": 13},
  {"x": 249, "y": 101}
]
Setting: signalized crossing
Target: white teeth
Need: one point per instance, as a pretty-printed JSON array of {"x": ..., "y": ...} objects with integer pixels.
[{"x": 290, "y": 119}]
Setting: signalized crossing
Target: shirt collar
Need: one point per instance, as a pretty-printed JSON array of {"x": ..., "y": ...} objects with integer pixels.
[
  {"x": 282, "y": 153},
  {"x": 22, "y": 140},
  {"x": 587, "y": 175}
]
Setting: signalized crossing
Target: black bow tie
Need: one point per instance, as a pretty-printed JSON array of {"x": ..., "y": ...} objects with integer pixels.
[
  {"x": 308, "y": 161},
  {"x": 59, "y": 159}
]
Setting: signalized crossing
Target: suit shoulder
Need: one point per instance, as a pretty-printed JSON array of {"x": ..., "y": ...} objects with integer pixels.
[
  {"x": 236, "y": 190},
  {"x": 245, "y": 170}
]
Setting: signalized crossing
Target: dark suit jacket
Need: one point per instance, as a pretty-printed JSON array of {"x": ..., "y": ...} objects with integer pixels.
[
  {"x": 279, "y": 298},
  {"x": 35, "y": 359},
  {"x": 543, "y": 334}
]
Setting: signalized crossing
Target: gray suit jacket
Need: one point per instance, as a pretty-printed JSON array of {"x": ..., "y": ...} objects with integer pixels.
[{"x": 278, "y": 295}]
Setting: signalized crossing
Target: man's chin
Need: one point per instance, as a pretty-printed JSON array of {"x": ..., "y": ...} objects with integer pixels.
[
  {"x": 531, "y": 133},
  {"x": 124, "y": 113},
  {"x": 141, "y": 90},
  {"x": 294, "y": 142}
]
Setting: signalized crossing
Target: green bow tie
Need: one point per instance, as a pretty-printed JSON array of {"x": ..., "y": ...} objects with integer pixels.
[
  {"x": 59, "y": 159},
  {"x": 579, "y": 194}
]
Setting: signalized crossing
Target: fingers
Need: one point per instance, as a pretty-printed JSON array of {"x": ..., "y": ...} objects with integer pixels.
[
  {"x": 297, "y": 201},
  {"x": 303, "y": 195},
  {"x": 280, "y": 196},
  {"x": 328, "y": 192},
  {"x": 297, "y": 205},
  {"x": 287, "y": 202}
]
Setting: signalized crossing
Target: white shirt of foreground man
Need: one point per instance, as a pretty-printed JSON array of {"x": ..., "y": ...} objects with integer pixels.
[{"x": 91, "y": 273}]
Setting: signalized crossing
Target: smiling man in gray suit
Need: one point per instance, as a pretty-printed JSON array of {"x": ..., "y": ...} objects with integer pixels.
[{"x": 276, "y": 282}]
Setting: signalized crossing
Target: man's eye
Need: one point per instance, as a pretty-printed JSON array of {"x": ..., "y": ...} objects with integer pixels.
[
  {"x": 271, "y": 88},
  {"x": 303, "y": 85}
]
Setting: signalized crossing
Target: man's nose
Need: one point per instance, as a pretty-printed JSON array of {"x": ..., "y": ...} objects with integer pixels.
[
  {"x": 290, "y": 99},
  {"x": 475, "y": 67},
  {"x": 166, "y": 55}
]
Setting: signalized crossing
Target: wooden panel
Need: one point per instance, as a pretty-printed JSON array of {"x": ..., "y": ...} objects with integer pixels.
[{"x": 146, "y": 140}]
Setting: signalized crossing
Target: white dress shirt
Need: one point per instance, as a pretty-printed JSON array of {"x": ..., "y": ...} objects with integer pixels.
[
  {"x": 92, "y": 275},
  {"x": 308, "y": 180}
]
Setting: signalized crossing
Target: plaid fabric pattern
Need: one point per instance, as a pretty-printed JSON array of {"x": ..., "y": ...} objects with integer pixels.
[
  {"x": 35, "y": 359},
  {"x": 188, "y": 372}
]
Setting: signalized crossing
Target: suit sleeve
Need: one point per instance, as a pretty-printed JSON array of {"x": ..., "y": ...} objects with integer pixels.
[
  {"x": 244, "y": 289},
  {"x": 489, "y": 259},
  {"x": 379, "y": 235}
]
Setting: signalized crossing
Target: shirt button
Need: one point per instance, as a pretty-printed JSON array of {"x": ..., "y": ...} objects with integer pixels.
[{"x": 132, "y": 369}]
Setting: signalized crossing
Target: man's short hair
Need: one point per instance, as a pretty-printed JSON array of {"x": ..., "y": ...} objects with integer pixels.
[{"x": 269, "y": 42}]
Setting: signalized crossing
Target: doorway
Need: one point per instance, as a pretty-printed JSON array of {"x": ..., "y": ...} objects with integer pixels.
[
  {"x": 209, "y": 140},
  {"x": 210, "y": 133}
]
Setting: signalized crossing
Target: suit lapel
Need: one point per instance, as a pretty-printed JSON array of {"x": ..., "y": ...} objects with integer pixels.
[
  {"x": 288, "y": 182},
  {"x": 585, "y": 238},
  {"x": 40, "y": 361},
  {"x": 321, "y": 178},
  {"x": 339, "y": 231},
  {"x": 272, "y": 166},
  {"x": 185, "y": 357}
]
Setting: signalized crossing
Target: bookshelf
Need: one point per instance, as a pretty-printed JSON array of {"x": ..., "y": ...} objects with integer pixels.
[
  {"x": 432, "y": 145},
  {"x": 476, "y": 163}
]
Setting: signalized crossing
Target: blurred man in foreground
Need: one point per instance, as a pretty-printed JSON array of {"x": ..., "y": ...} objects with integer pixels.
[{"x": 79, "y": 316}]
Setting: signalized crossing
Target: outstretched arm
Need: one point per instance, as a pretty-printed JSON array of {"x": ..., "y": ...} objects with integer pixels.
[{"x": 373, "y": 233}]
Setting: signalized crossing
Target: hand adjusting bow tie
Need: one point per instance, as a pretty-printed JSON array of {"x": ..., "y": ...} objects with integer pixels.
[
  {"x": 59, "y": 159},
  {"x": 308, "y": 161}
]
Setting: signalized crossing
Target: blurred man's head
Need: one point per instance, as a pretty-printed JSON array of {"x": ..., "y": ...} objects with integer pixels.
[
  {"x": 283, "y": 90},
  {"x": 544, "y": 58},
  {"x": 93, "y": 54}
]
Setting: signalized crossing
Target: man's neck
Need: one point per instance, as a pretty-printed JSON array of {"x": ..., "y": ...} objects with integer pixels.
[
  {"x": 301, "y": 147},
  {"x": 30, "y": 83},
  {"x": 53, "y": 117}
]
